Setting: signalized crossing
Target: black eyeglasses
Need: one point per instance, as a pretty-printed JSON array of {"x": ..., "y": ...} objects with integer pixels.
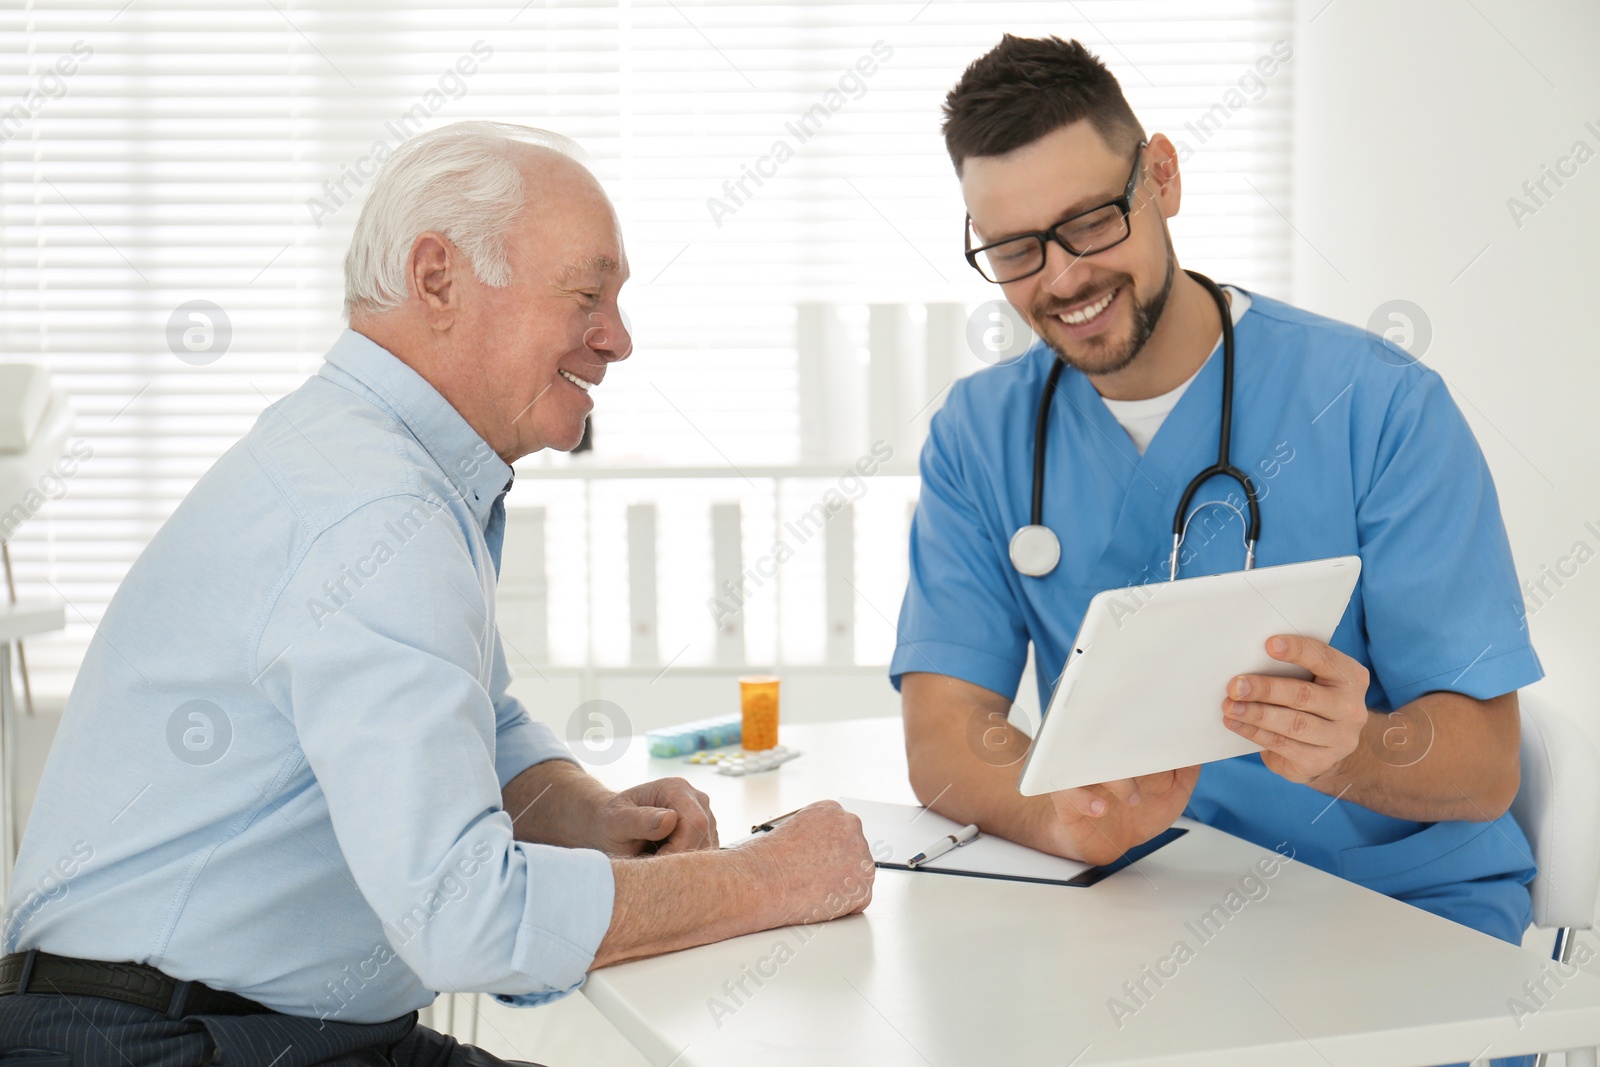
[{"x": 1083, "y": 234}]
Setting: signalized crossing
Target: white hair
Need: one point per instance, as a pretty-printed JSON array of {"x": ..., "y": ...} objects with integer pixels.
[{"x": 463, "y": 181}]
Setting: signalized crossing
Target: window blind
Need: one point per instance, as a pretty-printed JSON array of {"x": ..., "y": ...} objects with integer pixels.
[{"x": 161, "y": 161}]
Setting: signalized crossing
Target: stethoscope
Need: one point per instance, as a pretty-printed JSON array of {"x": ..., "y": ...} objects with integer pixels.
[{"x": 1035, "y": 549}]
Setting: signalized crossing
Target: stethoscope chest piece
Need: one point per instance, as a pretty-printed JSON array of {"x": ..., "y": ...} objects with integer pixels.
[{"x": 1035, "y": 550}]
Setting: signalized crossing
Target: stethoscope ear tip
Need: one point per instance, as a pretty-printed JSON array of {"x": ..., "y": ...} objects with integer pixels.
[{"x": 1035, "y": 550}]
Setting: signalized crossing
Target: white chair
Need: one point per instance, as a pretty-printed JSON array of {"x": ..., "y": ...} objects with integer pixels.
[
  {"x": 1558, "y": 807},
  {"x": 34, "y": 422}
]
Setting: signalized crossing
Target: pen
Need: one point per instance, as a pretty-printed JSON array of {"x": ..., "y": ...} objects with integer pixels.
[
  {"x": 943, "y": 845},
  {"x": 761, "y": 828}
]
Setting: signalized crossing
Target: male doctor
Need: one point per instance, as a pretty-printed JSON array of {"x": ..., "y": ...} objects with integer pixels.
[{"x": 1395, "y": 765}]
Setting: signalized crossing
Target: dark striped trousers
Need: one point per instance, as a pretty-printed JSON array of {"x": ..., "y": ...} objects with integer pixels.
[{"x": 48, "y": 1030}]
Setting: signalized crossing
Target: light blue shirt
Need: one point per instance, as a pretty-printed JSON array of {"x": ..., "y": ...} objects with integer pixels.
[
  {"x": 1354, "y": 449},
  {"x": 279, "y": 770}
]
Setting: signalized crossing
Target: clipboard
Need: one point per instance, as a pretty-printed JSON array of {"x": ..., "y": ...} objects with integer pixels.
[{"x": 896, "y": 832}]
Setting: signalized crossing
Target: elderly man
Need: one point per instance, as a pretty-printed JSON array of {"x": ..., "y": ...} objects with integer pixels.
[{"x": 291, "y": 797}]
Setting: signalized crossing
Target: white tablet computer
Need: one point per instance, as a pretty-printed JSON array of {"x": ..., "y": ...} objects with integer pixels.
[{"x": 1143, "y": 686}]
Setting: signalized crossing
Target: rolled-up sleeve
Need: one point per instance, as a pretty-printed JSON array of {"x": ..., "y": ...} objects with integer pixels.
[{"x": 376, "y": 650}]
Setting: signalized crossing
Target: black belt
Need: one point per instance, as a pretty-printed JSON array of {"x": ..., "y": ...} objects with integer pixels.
[{"x": 132, "y": 983}]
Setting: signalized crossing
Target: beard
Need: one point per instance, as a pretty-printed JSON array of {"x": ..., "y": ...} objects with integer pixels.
[{"x": 1104, "y": 355}]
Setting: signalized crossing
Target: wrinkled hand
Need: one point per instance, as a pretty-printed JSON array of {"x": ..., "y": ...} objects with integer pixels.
[
  {"x": 666, "y": 815},
  {"x": 812, "y": 867},
  {"x": 1305, "y": 728},
  {"x": 1098, "y": 823}
]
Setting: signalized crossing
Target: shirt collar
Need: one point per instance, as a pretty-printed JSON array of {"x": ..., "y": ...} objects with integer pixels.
[{"x": 477, "y": 473}]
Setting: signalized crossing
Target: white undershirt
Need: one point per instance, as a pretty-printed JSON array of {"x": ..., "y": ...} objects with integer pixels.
[{"x": 1142, "y": 418}]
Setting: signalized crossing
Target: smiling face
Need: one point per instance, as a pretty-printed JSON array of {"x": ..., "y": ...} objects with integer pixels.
[
  {"x": 1096, "y": 312},
  {"x": 518, "y": 361},
  {"x": 546, "y": 339}
]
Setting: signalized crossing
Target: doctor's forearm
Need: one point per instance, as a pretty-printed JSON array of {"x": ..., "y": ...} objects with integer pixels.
[
  {"x": 1443, "y": 756},
  {"x": 964, "y": 759}
]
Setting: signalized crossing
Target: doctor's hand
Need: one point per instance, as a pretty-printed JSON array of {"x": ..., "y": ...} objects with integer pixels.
[
  {"x": 1305, "y": 728},
  {"x": 1098, "y": 823},
  {"x": 666, "y": 815}
]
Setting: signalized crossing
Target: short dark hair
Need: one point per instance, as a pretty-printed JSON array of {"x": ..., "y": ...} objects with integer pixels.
[{"x": 1025, "y": 88}]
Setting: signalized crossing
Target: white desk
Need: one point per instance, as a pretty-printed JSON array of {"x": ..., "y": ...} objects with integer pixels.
[
  {"x": 17, "y": 621},
  {"x": 961, "y": 971}
]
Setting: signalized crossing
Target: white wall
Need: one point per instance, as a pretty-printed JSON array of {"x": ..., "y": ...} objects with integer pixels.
[{"x": 1416, "y": 121}]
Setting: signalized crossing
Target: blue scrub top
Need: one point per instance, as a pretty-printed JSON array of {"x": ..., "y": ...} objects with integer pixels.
[{"x": 1354, "y": 449}]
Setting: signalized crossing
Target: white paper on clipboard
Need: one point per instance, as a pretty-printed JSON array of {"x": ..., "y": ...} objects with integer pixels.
[{"x": 896, "y": 832}]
